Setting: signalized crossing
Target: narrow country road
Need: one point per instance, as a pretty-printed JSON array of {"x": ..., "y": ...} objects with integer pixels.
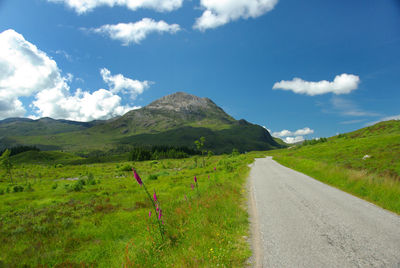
[{"x": 300, "y": 222}]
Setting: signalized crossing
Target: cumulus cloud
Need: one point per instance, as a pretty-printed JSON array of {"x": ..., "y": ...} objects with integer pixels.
[
  {"x": 81, "y": 106},
  {"x": 293, "y": 136},
  {"x": 26, "y": 71},
  {"x": 292, "y": 140},
  {"x": 342, "y": 84},
  {"x": 135, "y": 32},
  {"x": 84, "y": 6},
  {"x": 120, "y": 84},
  {"x": 218, "y": 13},
  {"x": 299, "y": 132}
]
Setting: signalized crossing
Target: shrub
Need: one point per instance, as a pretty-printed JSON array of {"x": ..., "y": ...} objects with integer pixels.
[
  {"x": 1, "y": 191},
  {"x": 78, "y": 186},
  {"x": 55, "y": 185},
  {"x": 18, "y": 188},
  {"x": 126, "y": 167},
  {"x": 153, "y": 177}
]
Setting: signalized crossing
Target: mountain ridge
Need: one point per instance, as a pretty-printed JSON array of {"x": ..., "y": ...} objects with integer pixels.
[{"x": 178, "y": 118}]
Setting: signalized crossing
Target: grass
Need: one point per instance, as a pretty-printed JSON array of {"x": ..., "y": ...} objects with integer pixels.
[
  {"x": 102, "y": 219},
  {"x": 341, "y": 162}
]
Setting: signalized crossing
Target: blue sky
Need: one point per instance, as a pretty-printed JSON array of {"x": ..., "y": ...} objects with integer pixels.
[{"x": 312, "y": 68}]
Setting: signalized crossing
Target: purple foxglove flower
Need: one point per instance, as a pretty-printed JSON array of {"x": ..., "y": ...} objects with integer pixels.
[
  {"x": 138, "y": 179},
  {"x": 195, "y": 179},
  {"x": 149, "y": 213},
  {"x": 191, "y": 185},
  {"x": 215, "y": 169},
  {"x": 155, "y": 196},
  {"x": 160, "y": 214}
]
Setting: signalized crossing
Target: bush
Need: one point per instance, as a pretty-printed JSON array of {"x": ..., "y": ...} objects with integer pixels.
[
  {"x": 78, "y": 186},
  {"x": 126, "y": 167},
  {"x": 1, "y": 191},
  {"x": 90, "y": 179},
  {"x": 55, "y": 185},
  {"x": 18, "y": 188},
  {"x": 153, "y": 177}
]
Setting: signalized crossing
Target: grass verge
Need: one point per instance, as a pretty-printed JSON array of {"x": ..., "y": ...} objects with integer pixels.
[{"x": 98, "y": 216}]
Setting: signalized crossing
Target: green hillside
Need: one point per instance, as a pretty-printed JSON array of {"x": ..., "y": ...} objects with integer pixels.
[
  {"x": 365, "y": 162},
  {"x": 176, "y": 120},
  {"x": 34, "y": 157}
]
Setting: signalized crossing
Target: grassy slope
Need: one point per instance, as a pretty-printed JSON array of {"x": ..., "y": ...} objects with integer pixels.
[
  {"x": 107, "y": 224},
  {"x": 244, "y": 137},
  {"x": 340, "y": 162}
]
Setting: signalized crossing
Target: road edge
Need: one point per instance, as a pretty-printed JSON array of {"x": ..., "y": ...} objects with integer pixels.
[{"x": 255, "y": 236}]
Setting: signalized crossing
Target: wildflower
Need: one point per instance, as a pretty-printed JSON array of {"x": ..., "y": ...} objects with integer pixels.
[
  {"x": 155, "y": 196},
  {"x": 191, "y": 185},
  {"x": 138, "y": 179},
  {"x": 215, "y": 169},
  {"x": 160, "y": 214},
  {"x": 195, "y": 179},
  {"x": 149, "y": 213}
]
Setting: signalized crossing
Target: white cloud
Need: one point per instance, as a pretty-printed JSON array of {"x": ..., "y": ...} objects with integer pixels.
[
  {"x": 304, "y": 131},
  {"x": 349, "y": 122},
  {"x": 11, "y": 108},
  {"x": 220, "y": 12},
  {"x": 120, "y": 84},
  {"x": 388, "y": 118},
  {"x": 349, "y": 108},
  {"x": 283, "y": 133},
  {"x": 135, "y": 32},
  {"x": 84, "y": 6},
  {"x": 296, "y": 139},
  {"x": 81, "y": 106},
  {"x": 293, "y": 136},
  {"x": 26, "y": 71},
  {"x": 299, "y": 132},
  {"x": 64, "y": 54},
  {"x": 342, "y": 84}
]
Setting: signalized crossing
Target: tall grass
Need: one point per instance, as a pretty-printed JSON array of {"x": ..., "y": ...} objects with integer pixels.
[{"x": 107, "y": 223}]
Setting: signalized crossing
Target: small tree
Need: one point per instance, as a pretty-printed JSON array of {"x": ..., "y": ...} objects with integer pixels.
[
  {"x": 6, "y": 163},
  {"x": 200, "y": 146}
]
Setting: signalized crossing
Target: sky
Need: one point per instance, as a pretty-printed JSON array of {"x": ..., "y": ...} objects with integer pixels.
[{"x": 301, "y": 69}]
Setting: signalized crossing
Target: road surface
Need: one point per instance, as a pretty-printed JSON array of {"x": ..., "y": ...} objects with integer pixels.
[{"x": 300, "y": 222}]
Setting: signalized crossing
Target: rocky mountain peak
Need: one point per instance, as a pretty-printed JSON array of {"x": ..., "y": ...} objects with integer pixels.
[{"x": 181, "y": 101}]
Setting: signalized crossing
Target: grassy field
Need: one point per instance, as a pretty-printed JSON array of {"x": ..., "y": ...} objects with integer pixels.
[
  {"x": 365, "y": 163},
  {"x": 98, "y": 215}
]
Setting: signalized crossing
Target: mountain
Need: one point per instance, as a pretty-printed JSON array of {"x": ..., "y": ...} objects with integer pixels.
[
  {"x": 178, "y": 119},
  {"x": 43, "y": 126}
]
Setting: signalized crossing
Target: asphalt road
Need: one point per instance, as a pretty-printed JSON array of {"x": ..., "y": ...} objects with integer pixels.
[{"x": 300, "y": 222}]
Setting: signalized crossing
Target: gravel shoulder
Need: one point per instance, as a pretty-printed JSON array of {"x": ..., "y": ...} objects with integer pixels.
[{"x": 297, "y": 221}]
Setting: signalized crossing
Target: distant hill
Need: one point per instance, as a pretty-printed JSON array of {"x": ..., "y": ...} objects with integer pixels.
[
  {"x": 375, "y": 149},
  {"x": 176, "y": 119}
]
